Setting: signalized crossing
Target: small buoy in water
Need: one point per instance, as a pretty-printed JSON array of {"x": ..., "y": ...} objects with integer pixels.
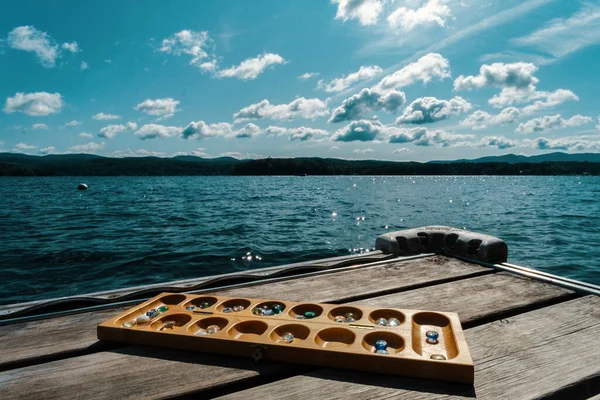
[{"x": 82, "y": 186}]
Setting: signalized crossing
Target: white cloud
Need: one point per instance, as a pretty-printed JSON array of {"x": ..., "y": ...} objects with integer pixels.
[
  {"x": 563, "y": 36},
  {"x": 401, "y": 150},
  {"x": 84, "y": 66},
  {"x": 202, "y": 130},
  {"x": 199, "y": 152},
  {"x": 108, "y": 61},
  {"x": 301, "y": 133},
  {"x": 430, "y": 66},
  {"x": 105, "y": 117},
  {"x": 361, "y": 131},
  {"x": 425, "y": 137},
  {"x": 90, "y": 147},
  {"x": 516, "y": 75},
  {"x": 552, "y": 122},
  {"x": 73, "y": 123},
  {"x": 510, "y": 96},
  {"x": 155, "y": 131},
  {"x": 366, "y": 11},
  {"x": 550, "y": 99},
  {"x": 433, "y": 12},
  {"x": 308, "y": 75},
  {"x": 481, "y": 119},
  {"x": 86, "y": 135},
  {"x": 571, "y": 143},
  {"x": 355, "y": 106},
  {"x": 39, "y": 126},
  {"x": 363, "y": 151},
  {"x": 190, "y": 43},
  {"x": 251, "y": 68},
  {"x": 47, "y": 150},
  {"x": 429, "y": 109},
  {"x": 165, "y": 108},
  {"x": 24, "y": 147},
  {"x": 339, "y": 84},
  {"x": 136, "y": 153},
  {"x": 72, "y": 47},
  {"x": 34, "y": 104},
  {"x": 598, "y": 126},
  {"x": 110, "y": 131},
  {"x": 240, "y": 156},
  {"x": 299, "y": 108},
  {"x": 29, "y": 39},
  {"x": 497, "y": 141}
]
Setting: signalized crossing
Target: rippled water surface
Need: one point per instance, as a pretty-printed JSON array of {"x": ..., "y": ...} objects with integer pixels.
[{"x": 125, "y": 231}]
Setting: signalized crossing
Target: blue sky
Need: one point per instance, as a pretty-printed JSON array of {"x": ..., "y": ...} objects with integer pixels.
[{"x": 357, "y": 79}]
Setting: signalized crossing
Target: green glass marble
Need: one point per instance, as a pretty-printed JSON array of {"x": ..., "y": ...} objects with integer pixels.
[
  {"x": 129, "y": 324},
  {"x": 162, "y": 309},
  {"x": 310, "y": 314}
]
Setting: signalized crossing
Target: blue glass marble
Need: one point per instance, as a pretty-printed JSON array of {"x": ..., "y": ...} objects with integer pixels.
[
  {"x": 382, "y": 352},
  {"x": 268, "y": 312},
  {"x": 381, "y": 345},
  {"x": 433, "y": 335},
  {"x": 151, "y": 312},
  {"x": 190, "y": 308},
  {"x": 310, "y": 314},
  {"x": 277, "y": 309},
  {"x": 227, "y": 309}
]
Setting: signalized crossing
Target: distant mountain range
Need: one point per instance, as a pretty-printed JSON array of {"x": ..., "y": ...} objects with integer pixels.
[
  {"x": 514, "y": 158},
  {"x": 12, "y": 164}
]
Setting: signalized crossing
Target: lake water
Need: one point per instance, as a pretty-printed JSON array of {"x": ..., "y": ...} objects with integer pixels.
[{"x": 126, "y": 231}]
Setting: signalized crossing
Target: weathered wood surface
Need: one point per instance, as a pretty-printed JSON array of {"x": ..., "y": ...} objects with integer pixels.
[
  {"x": 23, "y": 341},
  {"x": 130, "y": 380},
  {"x": 530, "y": 355},
  {"x": 187, "y": 284}
]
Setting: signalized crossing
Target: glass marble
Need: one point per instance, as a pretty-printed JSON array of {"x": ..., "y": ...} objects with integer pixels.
[
  {"x": 382, "y": 352},
  {"x": 257, "y": 311},
  {"x": 310, "y": 314},
  {"x": 381, "y": 321},
  {"x": 340, "y": 319},
  {"x": 277, "y": 308},
  {"x": 151, "y": 312},
  {"x": 437, "y": 357},
  {"x": 433, "y": 335},
  {"x": 204, "y": 305},
  {"x": 238, "y": 308},
  {"x": 381, "y": 345},
  {"x": 431, "y": 341},
  {"x": 393, "y": 322},
  {"x": 190, "y": 308},
  {"x": 213, "y": 329},
  {"x": 201, "y": 332},
  {"x": 129, "y": 324},
  {"x": 227, "y": 310},
  {"x": 142, "y": 319},
  {"x": 349, "y": 320},
  {"x": 300, "y": 317},
  {"x": 162, "y": 309},
  {"x": 350, "y": 316},
  {"x": 287, "y": 337},
  {"x": 268, "y": 312}
]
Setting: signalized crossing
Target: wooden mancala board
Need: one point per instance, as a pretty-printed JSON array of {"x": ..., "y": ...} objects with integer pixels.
[{"x": 413, "y": 343}]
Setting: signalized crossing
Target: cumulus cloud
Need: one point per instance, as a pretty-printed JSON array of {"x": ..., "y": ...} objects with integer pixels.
[
  {"x": 433, "y": 12},
  {"x": 39, "y": 126},
  {"x": 360, "y": 131},
  {"x": 240, "y": 156},
  {"x": 363, "y": 151},
  {"x": 199, "y": 152},
  {"x": 425, "y": 137},
  {"x": 86, "y": 135},
  {"x": 543, "y": 99},
  {"x": 339, "y": 84},
  {"x": 366, "y": 11},
  {"x": 552, "y": 122},
  {"x": 29, "y": 39},
  {"x": 105, "y": 117},
  {"x": 24, "y": 147},
  {"x": 481, "y": 119},
  {"x": 516, "y": 75},
  {"x": 355, "y": 106},
  {"x": 73, "y": 123},
  {"x": 299, "y": 108},
  {"x": 110, "y": 131},
  {"x": 425, "y": 69},
  {"x": 165, "y": 108},
  {"x": 155, "y": 131},
  {"x": 301, "y": 133},
  {"x": 72, "y": 47},
  {"x": 202, "y": 130},
  {"x": 497, "y": 141},
  {"x": 401, "y": 150},
  {"x": 84, "y": 66},
  {"x": 308, "y": 75},
  {"x": 186, "y": 42},
  {"x": 34, "y": 104},
  {"x": 252, "y": 67},
  {"x": 571, "y": 143},
  {"x": 90, "y": 147},
  {"x": 47, "y": 150},
  {"x": 550, "y": 99},
  {"x": 427, "y": 110}
]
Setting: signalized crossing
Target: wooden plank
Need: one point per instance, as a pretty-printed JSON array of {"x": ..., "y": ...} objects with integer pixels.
[
  {"x": 526, "y": 356},
  {"x": 17, "y": 381},
  {"x": 23, "y": 342}
]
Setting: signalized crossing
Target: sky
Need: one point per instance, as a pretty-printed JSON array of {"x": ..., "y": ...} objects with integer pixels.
[{"x": 404, "y": 80}]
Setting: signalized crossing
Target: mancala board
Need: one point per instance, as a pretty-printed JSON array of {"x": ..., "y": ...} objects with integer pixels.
[{"x": 414, "y": 343}]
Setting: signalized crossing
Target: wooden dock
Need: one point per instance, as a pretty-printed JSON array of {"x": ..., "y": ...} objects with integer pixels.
[{"x": 528, "y": 339}]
